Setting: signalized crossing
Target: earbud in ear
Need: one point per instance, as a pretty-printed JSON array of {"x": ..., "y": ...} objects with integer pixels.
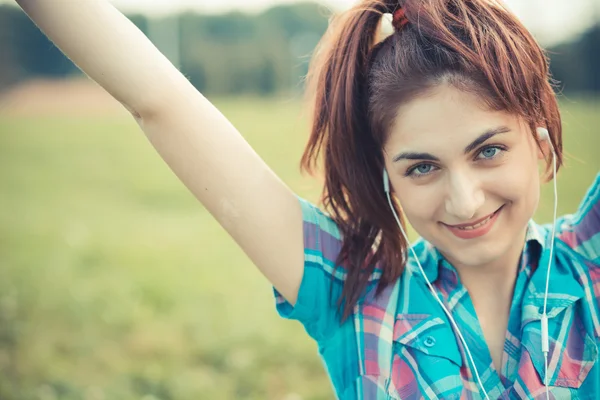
[
  {"x": 543, "y": 134},
  {"x": 386, "y": 181}
]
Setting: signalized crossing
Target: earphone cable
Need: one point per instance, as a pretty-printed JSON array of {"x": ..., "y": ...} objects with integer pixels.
[
  {"x": 462, "y": 339},
  {"x": 544, "y": 320}
]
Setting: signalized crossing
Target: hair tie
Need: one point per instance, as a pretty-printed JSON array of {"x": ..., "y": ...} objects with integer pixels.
[{"x": 399, "y": 19}]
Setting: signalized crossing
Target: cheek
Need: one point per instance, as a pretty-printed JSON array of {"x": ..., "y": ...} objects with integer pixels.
[
  {"x": 519, "y": 185},
  {"x": 419, "y": 203},
  {"x": 516, "y": 184},
  {"x": 520, "y": 178}
]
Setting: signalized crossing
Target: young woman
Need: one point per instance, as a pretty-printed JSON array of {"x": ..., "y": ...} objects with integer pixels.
[{"x": 444, "y": 122}]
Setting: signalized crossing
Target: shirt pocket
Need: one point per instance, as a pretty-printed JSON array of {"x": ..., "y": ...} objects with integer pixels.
[
  {"x": 426, "y": 358},
  {"x": 570, "y": 358}
]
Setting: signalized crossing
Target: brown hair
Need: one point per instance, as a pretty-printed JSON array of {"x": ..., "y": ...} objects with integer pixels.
[{"x": 357, "y": 85}]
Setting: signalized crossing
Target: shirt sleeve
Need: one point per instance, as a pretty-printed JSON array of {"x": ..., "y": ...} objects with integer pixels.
[
  {"x": 321, "y": 286},
  {"x": 581, "y": 231}
]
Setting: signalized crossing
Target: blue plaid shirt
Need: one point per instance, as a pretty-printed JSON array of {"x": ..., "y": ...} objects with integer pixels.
[{"x": 401, "y": 345}]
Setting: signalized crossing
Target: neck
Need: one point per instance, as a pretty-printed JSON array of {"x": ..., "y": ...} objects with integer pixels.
[{"x": 493, "y": 281}]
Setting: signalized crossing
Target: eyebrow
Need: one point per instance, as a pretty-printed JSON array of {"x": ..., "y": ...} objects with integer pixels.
[{"x": 472, "y": 146}]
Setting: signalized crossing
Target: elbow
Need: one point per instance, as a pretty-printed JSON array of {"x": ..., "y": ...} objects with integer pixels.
[
  {"x": 141, "y": 113},
  {"x": 133, "y": 111},
  {"x": 136, "y": 115},
  {"x": 171, "y": 92},
  {"x": 166, "y": 100}
]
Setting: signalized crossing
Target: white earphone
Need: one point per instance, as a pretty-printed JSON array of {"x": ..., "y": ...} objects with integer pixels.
[{"x": 542, "y": 135}]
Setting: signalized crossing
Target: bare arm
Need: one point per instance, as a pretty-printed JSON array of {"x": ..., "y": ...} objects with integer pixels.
[{"x": 205, "y": 151}]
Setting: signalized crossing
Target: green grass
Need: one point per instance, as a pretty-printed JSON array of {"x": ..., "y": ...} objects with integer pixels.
[{"x": 116, "y": 284}]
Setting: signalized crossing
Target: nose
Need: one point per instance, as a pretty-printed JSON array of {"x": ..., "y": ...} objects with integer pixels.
[{"x": 464, "y": 196}]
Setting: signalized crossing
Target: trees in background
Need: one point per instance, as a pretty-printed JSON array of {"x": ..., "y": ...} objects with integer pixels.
[
  {"x": 238, "y": 53},
  {"x": 576, "y": 64}
]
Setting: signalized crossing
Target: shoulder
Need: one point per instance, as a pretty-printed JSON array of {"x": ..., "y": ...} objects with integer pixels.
[
  {"x": 322, "y": 239},
  {"x": 581, "y": 230},
  {"x": 317, "y": 219}
]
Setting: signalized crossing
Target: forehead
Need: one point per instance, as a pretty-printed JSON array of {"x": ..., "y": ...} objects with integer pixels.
[{"x": 444, "y": 118}]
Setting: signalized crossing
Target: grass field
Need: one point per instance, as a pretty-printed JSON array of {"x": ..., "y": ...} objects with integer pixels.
[{"x": 116, "y": 284}]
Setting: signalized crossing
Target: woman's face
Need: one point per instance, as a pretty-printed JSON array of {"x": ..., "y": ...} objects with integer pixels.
[{"x": 467, "y": 178}]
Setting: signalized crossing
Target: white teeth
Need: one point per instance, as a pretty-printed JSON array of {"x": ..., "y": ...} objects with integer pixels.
[{"x": 471, "y": 227}]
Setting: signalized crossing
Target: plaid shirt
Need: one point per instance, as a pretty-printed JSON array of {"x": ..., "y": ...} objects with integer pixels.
[{"x": 401, "y": 345}]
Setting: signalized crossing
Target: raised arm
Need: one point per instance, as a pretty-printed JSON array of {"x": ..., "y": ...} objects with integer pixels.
[
  {"x": 110, "y": 49},
  {"x": 205, "y": 151}
]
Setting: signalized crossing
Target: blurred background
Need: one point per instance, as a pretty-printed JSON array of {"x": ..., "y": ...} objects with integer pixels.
[{"x": 115, "y": 283}]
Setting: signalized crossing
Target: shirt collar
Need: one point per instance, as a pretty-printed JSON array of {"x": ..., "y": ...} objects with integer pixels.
[
  {"x": 534, "y": 233},
  {"x": 564, "y": 287}
]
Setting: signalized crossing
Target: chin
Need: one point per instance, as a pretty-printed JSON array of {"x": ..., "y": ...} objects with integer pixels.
[{"x": 476, "y": 254}]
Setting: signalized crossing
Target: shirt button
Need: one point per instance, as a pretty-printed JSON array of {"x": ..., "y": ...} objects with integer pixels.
[{"x": 429, "y": 341}]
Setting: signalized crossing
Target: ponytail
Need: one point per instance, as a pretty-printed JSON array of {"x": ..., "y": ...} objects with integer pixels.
[{"x": 357, "y": 82}]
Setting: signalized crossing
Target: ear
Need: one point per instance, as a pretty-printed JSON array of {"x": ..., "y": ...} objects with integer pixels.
[
  {"x": 542, "y": 150},
  {"x": 543, "y": 145}
]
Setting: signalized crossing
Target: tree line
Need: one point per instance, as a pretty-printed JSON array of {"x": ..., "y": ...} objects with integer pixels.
[{"x": 236, "y": 53}]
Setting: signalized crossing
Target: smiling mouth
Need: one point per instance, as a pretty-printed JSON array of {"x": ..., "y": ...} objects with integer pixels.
[
  {"x": 472, "y": 227},
  {"x": 477, "y": 224}
]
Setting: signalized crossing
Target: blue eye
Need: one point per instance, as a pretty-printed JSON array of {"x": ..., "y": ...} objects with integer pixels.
[
  {"x": 489, "y": 152},
  {"x": 420, "y": 170},
  {"x": 424, "y": 168}
]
